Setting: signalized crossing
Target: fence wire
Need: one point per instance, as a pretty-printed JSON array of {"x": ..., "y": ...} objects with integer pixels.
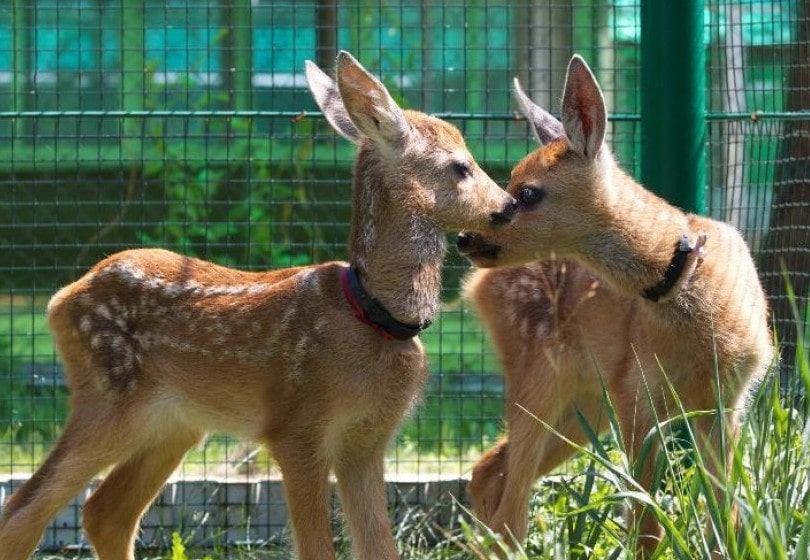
[{"x": 186, "y": 124}]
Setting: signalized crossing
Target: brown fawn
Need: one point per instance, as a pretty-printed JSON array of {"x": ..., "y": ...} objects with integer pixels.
[
  {"x": 645, "y": 304},
  {"x": 321, "y": 363}
]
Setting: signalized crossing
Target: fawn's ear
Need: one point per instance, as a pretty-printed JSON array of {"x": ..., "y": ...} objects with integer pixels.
[
  {"x": 545, "y": 126},
  {"x": 583, "y": 109},
  {"x": 326, "y": 94},
  {"x": 369, "y": 105}
]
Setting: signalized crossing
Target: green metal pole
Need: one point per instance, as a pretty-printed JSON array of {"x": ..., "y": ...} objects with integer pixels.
[
  {"x": 133, "y": 76},
  {"x": 237, "y": 55},
  {"x": 673, "y": 102},
  {"x": 20, "y": 63}
]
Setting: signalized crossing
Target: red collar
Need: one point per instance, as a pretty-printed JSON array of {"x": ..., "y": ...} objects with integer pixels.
[{"x": 371, "y": 312}]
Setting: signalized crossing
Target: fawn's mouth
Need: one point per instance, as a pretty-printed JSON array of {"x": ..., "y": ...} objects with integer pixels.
[{"x": 478, "y": 250}]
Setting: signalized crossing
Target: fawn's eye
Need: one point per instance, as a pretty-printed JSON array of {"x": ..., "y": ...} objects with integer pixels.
[
  {"x": 462, "y": 169},
  {"x": 528, "y": 197}
]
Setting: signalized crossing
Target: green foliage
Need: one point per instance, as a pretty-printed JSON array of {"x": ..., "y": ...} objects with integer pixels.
[
  {"x": 462, "y": 406},
  {"x": 578, "y": 514},
  {"x": 223, "y": 200},
  {"x": 32, "y": 404},
  {"x": 179, "y": 549}
]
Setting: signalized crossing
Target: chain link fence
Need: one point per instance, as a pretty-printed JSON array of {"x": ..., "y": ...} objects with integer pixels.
[{"x": 186, "y": 124}]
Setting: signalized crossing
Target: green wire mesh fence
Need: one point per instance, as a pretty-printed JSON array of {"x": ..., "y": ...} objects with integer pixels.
[{"x": 186, "y": 124}]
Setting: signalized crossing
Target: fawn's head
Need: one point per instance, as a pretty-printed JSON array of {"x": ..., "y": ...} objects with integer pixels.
[
  {"x": 420, "y": 160},
  {"x": 561, "y": 187}
]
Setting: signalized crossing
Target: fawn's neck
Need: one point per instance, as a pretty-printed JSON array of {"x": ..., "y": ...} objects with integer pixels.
[
  {"x": 397, "y": 250},
  {"x": 635, "y": 237}
]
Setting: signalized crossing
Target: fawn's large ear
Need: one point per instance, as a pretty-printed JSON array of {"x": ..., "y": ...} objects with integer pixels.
[
  {"x": 326, "y": 94},
  {"x": 545, "y": 126},
  {"x": 583, "y": 109},
  {"x": 369, "y": 105}
]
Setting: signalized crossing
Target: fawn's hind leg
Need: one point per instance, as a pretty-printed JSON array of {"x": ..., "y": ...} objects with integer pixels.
[
  {"x": 112, "y": 513},
  {"x": 89, "y": 443},
  {"x": 714, "y": 444},
  {"x": 486, "y": 485},
  {"x": 504, "y": 477},
  {"x": 716, "y": 437}
]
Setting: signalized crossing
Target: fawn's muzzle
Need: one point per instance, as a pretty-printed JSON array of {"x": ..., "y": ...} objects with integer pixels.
[
  {"x": 506, "y": 215},
  {"x": 478, "y": 250}
]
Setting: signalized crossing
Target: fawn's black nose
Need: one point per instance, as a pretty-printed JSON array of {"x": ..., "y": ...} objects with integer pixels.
[
  {"x": 463, "y": 240},
  {"x": 506, "y": 215}
]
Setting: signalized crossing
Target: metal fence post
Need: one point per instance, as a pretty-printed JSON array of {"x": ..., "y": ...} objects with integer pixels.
[
  {"x": 21, "y": 17},
  {"x": 133, "y": 77},
  {"x": 673, "y": 82},
  {"x": 237, "y": 53}
]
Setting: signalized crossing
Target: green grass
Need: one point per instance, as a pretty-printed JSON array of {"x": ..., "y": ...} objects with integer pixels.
[{"x": 577, "y": 513}]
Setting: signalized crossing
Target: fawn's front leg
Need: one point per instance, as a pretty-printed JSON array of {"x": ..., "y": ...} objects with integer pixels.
[
  {"x": 305, "y": 473},
  {"x": 363, "y": 493}
]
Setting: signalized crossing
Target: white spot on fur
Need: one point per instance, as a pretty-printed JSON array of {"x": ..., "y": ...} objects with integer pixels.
[
  {"x": 117, "y": 343},
  {"x": 542, "y": 331},
  {"x": 133, "y": 275},
  {"x": 307, "y": 279},
  {"x": 287, "y": 317},
  {"x": 302, "y": 348},
  {"x": 144, "y": 339}
]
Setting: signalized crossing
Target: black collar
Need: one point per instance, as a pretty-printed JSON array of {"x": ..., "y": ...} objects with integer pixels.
[
  {"x": 673, "y": 272},
  {"x": 371, "y": 312}
]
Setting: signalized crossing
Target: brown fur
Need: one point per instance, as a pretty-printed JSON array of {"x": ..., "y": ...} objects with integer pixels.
[
  {"x": 567, "y": 327},
  {"x": 160, "y": 349}
]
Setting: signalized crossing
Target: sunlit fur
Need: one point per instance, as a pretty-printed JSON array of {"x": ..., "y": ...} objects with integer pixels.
[
  {"x": 160, "y": 349},
  {"x": 569, "y": 327}
]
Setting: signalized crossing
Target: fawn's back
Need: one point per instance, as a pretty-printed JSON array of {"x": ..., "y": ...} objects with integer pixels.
[{"x": 219, "y": 347}]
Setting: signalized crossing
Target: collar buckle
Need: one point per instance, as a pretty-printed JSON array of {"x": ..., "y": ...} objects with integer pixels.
[{"x": 673, "y": 272}]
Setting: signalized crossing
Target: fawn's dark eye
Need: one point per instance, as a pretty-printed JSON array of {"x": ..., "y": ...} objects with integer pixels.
[
  {"x": 528, "y": 197},
  {"x": 462, "y": 169}
]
